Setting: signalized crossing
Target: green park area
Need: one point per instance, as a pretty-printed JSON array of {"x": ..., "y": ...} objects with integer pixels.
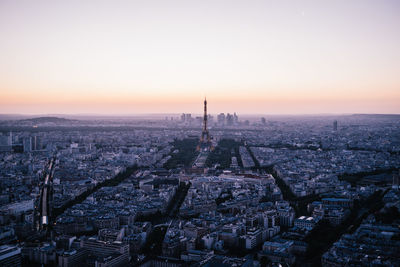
[
  {"x": 183, "y": 153},
  {"x": 223, "y": 153}
]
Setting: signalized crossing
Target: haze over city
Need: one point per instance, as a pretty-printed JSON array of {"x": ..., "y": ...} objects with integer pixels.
[
  {"x": 263, "y": 57},
  {"x": 212, "y": 133}
]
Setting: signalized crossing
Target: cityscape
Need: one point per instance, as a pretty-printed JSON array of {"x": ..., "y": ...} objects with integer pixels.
[
  {"x": 216, "y": 133},
  {"x": 195, "y": 191}
]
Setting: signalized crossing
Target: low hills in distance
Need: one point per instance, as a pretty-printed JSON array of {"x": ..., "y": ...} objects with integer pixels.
[
  {"x": 39, "y": 120},
  {"x": 13, "y": 122}
]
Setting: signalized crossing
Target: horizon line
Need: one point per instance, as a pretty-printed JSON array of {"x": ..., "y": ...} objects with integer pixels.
[{"x": 159, "y": 114}]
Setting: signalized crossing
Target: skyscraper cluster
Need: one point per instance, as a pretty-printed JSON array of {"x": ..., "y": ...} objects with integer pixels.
[{"x": 228, "y": 119}]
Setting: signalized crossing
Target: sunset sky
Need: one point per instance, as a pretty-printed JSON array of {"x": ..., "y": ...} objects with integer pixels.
[{"x": 263, "y": 57}]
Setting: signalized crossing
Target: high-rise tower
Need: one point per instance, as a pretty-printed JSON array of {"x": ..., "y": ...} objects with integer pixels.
[
  {"x": 205, "y": 139},
  {"x": 335, "y": 125}
]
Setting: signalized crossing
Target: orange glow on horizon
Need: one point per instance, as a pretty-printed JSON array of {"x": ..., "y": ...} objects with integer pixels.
[{"x": 155, "y": 57}]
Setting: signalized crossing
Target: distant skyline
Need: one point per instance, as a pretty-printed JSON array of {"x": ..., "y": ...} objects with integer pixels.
[{"x": 249, "y": 57}]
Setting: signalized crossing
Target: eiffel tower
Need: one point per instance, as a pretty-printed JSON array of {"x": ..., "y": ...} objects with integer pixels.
[{"x": 205, "y": 139}]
